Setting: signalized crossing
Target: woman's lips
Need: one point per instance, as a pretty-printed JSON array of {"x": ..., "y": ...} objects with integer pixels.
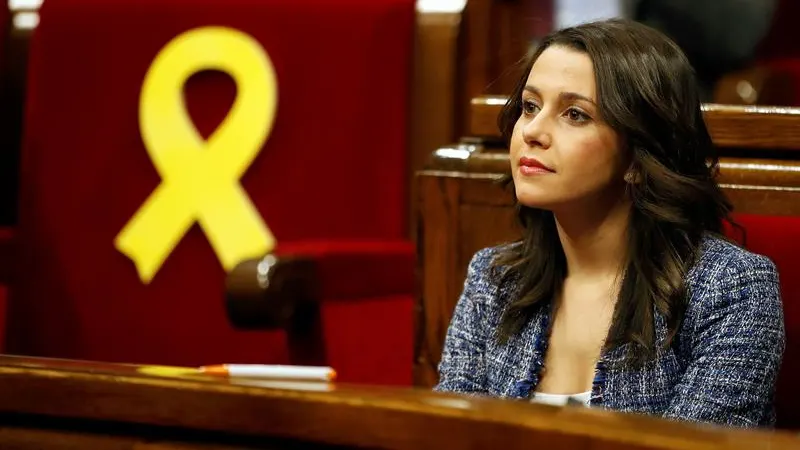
[{"x": 532, "y": 166}]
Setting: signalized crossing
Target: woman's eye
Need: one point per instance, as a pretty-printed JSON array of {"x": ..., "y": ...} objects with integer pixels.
[
  {"x": 529, "y": 107},
  {"x": 576, "y": 115}
]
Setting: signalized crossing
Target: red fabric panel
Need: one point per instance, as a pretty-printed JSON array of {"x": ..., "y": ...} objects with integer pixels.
[
  {"x": 367, "y": 290},
  {"x": 352, "y": 270},
  {"x": 333, "y": 167},
  {"x": 369, "y": 340},
  {"x": 777, "y": 238}
]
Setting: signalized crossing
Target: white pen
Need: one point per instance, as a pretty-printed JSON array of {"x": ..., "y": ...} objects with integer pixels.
[{"x": 282, "y": 372}]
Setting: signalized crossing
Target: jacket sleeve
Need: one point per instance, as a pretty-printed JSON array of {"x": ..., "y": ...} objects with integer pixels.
[
  {"x": 737, "y": 343},
  {"x": 462, "y": 367}
]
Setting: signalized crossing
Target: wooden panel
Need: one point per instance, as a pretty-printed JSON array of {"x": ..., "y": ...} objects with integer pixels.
[
  {"x": 496, "y": 36},
  {"x": 433, "y": 102},
  {"x": 483, "y": 117},
  {"x": 487, "y": 190},
  {"x": 437, "y": 247},
  {"x": 108, "y": 404},
  {"x": 753, "y": 126},
  {"x": 469, "y": 213},
  {"x": 483, "y": 226}
]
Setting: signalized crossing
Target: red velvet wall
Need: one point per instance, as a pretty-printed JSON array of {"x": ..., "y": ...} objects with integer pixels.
[{"x": 334, "y": 167}]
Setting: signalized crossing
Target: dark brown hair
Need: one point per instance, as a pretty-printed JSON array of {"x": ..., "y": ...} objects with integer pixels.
[{"x": 647, "y": 93}]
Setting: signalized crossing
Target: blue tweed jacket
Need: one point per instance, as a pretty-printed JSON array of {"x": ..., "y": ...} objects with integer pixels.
[{"x": 721, "y": 369}]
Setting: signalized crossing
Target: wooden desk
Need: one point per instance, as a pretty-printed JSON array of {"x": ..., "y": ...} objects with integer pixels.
[{"x": 61, "y": 404}]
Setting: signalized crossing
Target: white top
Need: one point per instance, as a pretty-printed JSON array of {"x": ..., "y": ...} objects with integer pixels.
[{"x": 561, "y": 399}]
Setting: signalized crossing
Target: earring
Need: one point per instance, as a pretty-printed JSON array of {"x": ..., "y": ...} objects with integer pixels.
[{"x": 631, "y": 177}]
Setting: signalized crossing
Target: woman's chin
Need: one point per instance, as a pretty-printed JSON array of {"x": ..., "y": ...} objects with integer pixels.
[{"x": 530, "y": 199}]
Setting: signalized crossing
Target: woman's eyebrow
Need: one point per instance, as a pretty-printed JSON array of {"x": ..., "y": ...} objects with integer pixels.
[{"x": 564, "y": 96}]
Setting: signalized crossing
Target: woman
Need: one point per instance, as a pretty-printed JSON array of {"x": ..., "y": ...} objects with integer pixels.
[{"x": 622, "y": 293}]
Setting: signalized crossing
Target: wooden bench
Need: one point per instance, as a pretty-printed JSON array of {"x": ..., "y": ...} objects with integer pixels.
[
  {"x": 60, "y": 404},
  {"x": 462, "y": 209}
]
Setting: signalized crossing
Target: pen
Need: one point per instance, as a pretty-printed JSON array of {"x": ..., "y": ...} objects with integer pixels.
[{"x": 284, "y": 372}]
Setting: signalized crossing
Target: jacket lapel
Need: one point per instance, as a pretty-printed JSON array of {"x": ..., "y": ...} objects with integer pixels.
[{"x": 526, "y": 357}]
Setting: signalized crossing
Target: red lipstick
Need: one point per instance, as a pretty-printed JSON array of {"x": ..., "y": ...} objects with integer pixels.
[{"x": 532, "y": 166}]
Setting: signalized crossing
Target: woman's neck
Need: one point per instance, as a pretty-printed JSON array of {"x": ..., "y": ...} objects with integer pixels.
[{"x": 594, "y": 238}]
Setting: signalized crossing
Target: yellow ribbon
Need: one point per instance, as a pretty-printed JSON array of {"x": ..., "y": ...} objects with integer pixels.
[{"x": 200, "y": 179}]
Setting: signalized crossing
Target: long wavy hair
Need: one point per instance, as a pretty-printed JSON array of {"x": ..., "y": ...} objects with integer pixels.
[{"x": 647, "y": 93}]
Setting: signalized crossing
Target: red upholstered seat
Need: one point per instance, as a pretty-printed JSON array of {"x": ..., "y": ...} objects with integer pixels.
[
  {"x": 778, "y": 238},
  {"x": 366, "y": 312},
  {"x": 333, "y": 168}
]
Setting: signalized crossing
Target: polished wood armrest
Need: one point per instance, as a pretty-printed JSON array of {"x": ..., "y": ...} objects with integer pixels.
[
  {"x": 285, "y": 289},
  {"x": 268, "y": 293},
  {"x": 279, "y": 293}
]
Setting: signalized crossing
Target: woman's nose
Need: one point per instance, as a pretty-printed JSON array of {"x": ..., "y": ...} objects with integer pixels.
[{"x": 536, "y": 132}]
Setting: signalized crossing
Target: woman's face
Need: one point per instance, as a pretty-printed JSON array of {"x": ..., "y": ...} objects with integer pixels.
[{"x": 562, "y": 153}]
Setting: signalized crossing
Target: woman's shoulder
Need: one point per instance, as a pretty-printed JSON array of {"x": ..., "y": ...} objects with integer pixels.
[
  {"x": 487, "y": 263},
  {"x": 487, "y": 272},
  {"x": 726, "y": 268},
  {"x": 720, "y": 256}
]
